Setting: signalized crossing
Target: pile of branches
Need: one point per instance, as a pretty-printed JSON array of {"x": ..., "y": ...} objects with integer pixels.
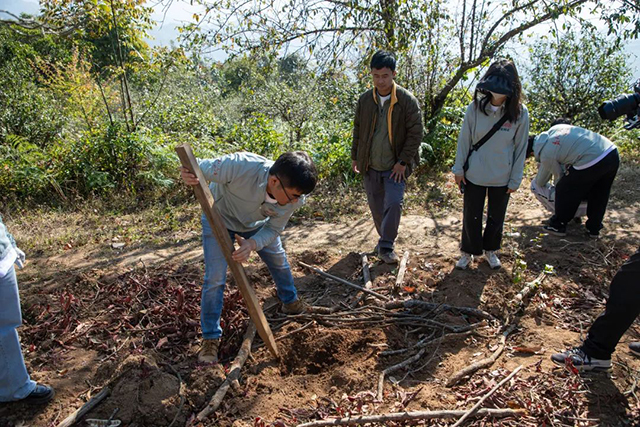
[
  {"x": 143, "y": 308},
  {"x": 549, "y": 398}
]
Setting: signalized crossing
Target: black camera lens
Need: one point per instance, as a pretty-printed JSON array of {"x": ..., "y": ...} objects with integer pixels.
[{"x": 611, "y": 110}]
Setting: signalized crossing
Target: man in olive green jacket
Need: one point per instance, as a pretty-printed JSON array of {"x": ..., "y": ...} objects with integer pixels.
[{"x": 387, "y": 132}]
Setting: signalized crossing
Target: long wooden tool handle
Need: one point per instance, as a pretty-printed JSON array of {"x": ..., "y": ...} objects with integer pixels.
[{"x": 220, "y": 232}]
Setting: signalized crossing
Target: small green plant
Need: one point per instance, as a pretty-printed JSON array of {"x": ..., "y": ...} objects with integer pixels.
[
  {"x": 538, "y": 239},
  {"x": 519, "y": 267}
]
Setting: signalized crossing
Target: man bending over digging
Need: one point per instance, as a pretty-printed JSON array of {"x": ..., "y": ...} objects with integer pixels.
[{"x": 255, "y": 197}]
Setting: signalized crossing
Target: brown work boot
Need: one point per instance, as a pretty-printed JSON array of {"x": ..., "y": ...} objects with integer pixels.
[
  {"x": 209, "y": 351},
  {"x": 295, "y": 307}
]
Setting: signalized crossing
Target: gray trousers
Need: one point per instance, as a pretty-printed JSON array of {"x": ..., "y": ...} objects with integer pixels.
[{"x": 385, "y": 198}]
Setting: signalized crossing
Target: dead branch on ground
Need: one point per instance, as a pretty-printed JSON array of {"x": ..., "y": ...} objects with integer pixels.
[
  {"x": 527, "y": 291},
  {"x": 234, "y": 373},
  {"x": 86, "y": 408},
  {"x": 483, "y": 363},
  {"x": 343, "y": 281},
  {"x": 402, "y": 269},
  {"x": 415, "y": 303},
  {"x": 417, "y": 415},
  {"x": 476, "y": 407}
]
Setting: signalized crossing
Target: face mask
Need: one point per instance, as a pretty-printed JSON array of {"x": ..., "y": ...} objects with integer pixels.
[
  {"x": 270, "y": 199},
  {"x": 497, "y": 95}
]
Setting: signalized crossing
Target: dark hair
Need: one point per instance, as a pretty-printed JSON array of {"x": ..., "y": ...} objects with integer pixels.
[
  {"x": 506, "y": 69},
  {"x": 296, "y": 170},
  {"x": 532, "y": 138},
  {"x": 382, "y": 59},
  {"x": 561, "y": 121}
]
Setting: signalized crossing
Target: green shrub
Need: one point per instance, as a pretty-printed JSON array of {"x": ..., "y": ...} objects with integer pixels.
[
  {"x": 330, "y": 148},
  {"x": 26, "y": 108},
  {"x": 256, "y": 134},
  {"x": 439, "y": 146}
]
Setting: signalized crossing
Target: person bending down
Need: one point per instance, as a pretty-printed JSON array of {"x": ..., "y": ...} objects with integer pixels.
[
  {"x": 583, "y": 165},
  {"x": 255, "y": 197}
]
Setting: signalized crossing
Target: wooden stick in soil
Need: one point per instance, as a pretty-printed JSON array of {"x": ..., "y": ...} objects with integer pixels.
[
  {"x": 414, "y": 358},
  {"x": 234, "y": 373},
  {"x": 295, "y": 331},
  {"x": 85, "y": 409},
  {"x": 416, "y": 303},
  {"x": 366, "y": 278},
  {"x": 366, "y": 274},
  {"x": 477, "y": 406},
  {"x": 402, "y": 269},
  {"x": 429, "y": 341},
  {"x": 204, "y": 196},
  {"x": 344, "y": 282},
  {"x": 394, "y": 368},
  {"x": 416, "y": 415},
  {"x": 483, "y": 363}
]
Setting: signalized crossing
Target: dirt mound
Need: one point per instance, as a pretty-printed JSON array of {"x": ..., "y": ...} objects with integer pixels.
[
  {"x": 144, "y": 394},
  {"x": 203, "y": 381},
  {"x": 313, "y": 257},
  {"x": 315, "y": 352}
]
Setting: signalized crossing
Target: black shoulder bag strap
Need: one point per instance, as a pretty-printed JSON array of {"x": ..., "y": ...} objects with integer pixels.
[{"x": 484, "y": 139}]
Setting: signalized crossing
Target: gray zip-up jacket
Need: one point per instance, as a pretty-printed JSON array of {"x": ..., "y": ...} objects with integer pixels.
[
  {"x": 238, "y": 183},
  {"x": 564, "y": 146},
  {"x": 500, "y": 161},
  {"x": 6, "y": 240}
]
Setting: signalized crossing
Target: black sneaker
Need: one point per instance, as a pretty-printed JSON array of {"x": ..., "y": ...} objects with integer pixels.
[
  {"x": 388, "y": 256},
  {"x": 560, "y": 230},
  {"x": 581, "y": 361},
  {"x": 40, "y": 395},
  {"x": 592, "y": 234},
  {"x": 635, "y": 347}
]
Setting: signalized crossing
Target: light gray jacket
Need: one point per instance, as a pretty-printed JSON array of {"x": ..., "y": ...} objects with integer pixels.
[
  {"x": 6, "y": 240},
  {"x": 238, "y": 183},
  {"x": 500, "y": 161},
  {"x": 563, "y": 146}
]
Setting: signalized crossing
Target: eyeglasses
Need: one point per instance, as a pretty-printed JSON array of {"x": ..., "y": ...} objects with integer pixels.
[{"x": 291, "y": 199}]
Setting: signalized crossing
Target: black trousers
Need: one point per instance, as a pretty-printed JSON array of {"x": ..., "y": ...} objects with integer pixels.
[
  {"x": 623, "y": 306},
  {"x": 592, "y": 184},
  {"x": 473, "y": 239}
]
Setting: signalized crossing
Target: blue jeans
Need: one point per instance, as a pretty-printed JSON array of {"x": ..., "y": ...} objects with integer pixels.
[
  {"x": 15, "y": 383},
  {"x": 215, "y": 277}
]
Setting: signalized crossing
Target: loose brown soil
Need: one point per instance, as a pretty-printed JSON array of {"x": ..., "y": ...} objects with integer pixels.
[{"x": 128, "y": 319}]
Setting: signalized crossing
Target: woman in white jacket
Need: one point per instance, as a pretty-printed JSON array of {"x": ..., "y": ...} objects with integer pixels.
[{"x": 493, "y": 170}]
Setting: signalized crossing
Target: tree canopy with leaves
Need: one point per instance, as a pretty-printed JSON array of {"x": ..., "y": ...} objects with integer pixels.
[
  {"x": 569, "y": 76},
  {"x": 441, "y": 41}
]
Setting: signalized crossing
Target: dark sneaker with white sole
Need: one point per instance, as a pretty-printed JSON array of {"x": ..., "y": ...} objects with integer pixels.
[
  {"x": 635, "y": 347},
  {"x": 555, "y": 230},
  {"x": 581, "y": 361},
  {"x": 40, "y": 395},
  {"x": 591, "y": 234},
  {"x": 388, "y": 256}
]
